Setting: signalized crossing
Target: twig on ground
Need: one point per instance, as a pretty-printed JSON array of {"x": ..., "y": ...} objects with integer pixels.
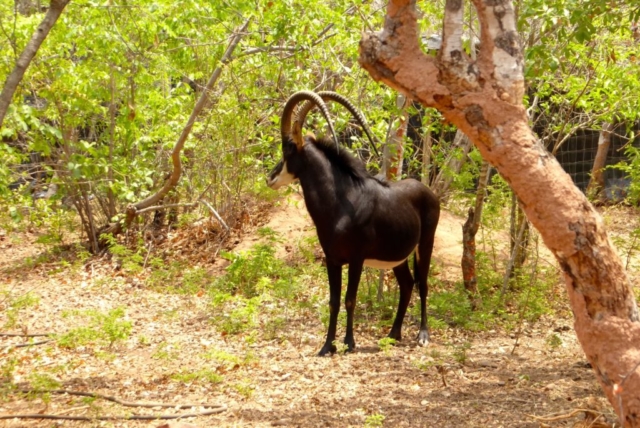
[
  {"x": 72, "y": 409},
  {"x": 24, "y": 335},
  {"x": 113, "y": 418},
  {"x": 24, "y": 345},
  {"x": 214, "y": 408},
  {"x": 565, "y": 416},
  {"x": 117, "y": 400},
  {"x": 215, "y": 213}
]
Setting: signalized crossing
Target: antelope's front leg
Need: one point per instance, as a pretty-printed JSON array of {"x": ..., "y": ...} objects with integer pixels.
[
  {"x": 355, "y": 270},
  {"x": 335, "y": 289}
]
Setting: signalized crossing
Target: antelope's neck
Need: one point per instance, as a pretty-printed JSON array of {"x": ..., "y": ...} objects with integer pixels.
[{"x": 322, "y": 187}]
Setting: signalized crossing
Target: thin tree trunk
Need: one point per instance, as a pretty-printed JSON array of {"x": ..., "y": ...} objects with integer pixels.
[
  {"x": 522, "y": 243},
  {"x": 396, "y": 148},
  {"x": 469, "y": 230},
  {"x": 91, "y": 223},
  {"x": 427, "y": 143},
  {"x": 519, "y": 235},
  {"x": 453, "y": 165},
  {"x": 29, "y": 52},
  {"x": 393, "y": 152},
  {"x": 392, "y": 157},
  {"x": 111, "y": 200},
  {"x": 484, "y": 100},
  {"x": 203, "y": 101},
  {"x": 596, "y": 183}
]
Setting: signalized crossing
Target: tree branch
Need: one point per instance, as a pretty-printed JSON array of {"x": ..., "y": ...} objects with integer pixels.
[
  {"x": 29, "y": 52},
  {"x": 204, "y": 99},
  {"x": 133, "y": 210}
]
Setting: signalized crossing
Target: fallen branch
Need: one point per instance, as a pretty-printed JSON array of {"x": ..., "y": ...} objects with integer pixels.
[
  {"x": 213, "y": 408},
  {"x": 187, "y": 205},
  {"x": 72, "y": 409},
  {"x": 565, "y": 416},
  {"x": 113, "y": 418},
  {"x": 24, "y": 335},
  {"x": 116, "y": 400},
  {"x": 215, "y": 213},
  {"x": 24, "y": 345},
  {"x": 164, "y": 207}
]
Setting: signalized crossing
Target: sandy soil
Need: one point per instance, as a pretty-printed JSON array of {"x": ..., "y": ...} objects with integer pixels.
[{"x": 462, "y": 379}]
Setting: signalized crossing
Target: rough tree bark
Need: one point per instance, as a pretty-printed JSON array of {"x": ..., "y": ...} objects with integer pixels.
[
  {"x": 483, "y": 98},
  {"x": 29, "y": 52}
]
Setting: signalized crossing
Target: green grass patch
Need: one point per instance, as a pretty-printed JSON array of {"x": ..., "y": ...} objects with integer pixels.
[
  {"x": 203, "y": 376},
  {"x": 99, "y": 328},
  {"x": 14, "y": 304},
  {"x": 177, "y": 277}
]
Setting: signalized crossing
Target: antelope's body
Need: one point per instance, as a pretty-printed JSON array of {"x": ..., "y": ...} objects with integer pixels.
[{"x": 360, "y": 219}]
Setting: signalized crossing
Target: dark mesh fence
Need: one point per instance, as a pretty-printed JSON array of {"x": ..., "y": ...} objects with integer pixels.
[{"x": 578, "y": 152}]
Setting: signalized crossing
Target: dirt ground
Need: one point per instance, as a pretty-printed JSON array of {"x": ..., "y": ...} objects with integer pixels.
[{"x": 462, "y": 379}]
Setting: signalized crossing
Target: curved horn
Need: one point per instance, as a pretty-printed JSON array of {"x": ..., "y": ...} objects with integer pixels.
[
  {"x": 295, "y": 134},
  {"x": 340, "y": 99},
  {"x": 333, "y": 96}
]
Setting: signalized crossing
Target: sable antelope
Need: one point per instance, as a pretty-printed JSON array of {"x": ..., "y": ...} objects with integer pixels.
[{"x": 360, "y": 219}]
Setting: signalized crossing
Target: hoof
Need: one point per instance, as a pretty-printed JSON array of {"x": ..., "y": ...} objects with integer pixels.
[
  {"x": 395, "y": 335},
  {"x": 327, "y": 350},
  {"x": 423, "y": 338},
  {"x": 351, "y": 345}
]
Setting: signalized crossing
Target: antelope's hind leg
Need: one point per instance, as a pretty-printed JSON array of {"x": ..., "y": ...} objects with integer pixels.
[
  {"x": 335, "y": 289},
  {"x": 405, "y": 281},
  {"x": 421, "y": 272},
  {"x": 355, "y": 271}
]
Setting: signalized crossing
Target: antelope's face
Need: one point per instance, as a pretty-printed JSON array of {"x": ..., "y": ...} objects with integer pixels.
[{"x": 280, "y": 175}]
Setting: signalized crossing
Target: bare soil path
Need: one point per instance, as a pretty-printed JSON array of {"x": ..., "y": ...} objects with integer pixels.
[{"x": 462, "y": 379}]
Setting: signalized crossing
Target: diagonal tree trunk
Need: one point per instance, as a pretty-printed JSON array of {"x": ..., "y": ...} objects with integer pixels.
[
  {"x": 483, "y": 98},
  {"x": 174, "y": 177},
  {"x": 29, "y": 52}
]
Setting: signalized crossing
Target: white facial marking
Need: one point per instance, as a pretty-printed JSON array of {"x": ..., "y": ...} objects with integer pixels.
[{"x": 282, "y": 179}]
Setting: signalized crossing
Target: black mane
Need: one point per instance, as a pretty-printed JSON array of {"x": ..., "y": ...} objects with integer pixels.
[{"x": 345, "y": 161}]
